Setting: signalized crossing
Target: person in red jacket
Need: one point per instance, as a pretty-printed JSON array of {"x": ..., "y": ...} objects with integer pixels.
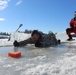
[{"x": 72, "y": 28}]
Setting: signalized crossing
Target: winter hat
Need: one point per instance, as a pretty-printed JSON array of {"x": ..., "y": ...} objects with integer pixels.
[
  {"x": 75, "y": 12},
  {"x": 34, "y": 32}
]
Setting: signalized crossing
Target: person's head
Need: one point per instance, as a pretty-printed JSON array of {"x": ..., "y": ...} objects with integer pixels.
[
  {"x": 35, "y": 35},
  {"x": 75, "y": 13}
]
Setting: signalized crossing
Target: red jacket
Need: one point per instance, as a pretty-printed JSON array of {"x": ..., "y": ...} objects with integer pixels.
[{"x": 73, "y": 23}]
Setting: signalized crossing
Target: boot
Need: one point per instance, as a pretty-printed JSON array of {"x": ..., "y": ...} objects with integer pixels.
[{"x": 70, "y": 38}]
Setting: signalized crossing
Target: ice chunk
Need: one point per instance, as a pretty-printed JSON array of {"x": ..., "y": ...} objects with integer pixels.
[
  {"x": 14, "y": 36},
  {"x": 19, "y": 36},
  {"x": 62, "y": 36}
]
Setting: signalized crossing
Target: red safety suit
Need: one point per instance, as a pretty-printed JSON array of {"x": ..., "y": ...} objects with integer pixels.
[{"x": 72, "y": 28}]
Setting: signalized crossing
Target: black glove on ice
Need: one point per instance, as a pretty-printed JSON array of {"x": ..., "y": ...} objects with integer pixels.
[{"x": 16, "y": 44}]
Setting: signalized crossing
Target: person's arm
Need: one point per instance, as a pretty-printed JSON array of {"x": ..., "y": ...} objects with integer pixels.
[{"x": 23, "y": 43}]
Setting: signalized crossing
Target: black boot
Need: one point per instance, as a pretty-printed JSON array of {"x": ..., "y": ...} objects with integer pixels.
[{"x": 70, "y": 38}]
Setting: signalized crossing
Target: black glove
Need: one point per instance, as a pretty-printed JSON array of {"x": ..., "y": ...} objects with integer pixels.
[
  {"x": 16, "y": 44},
  {"x": 38, "y": 44}
]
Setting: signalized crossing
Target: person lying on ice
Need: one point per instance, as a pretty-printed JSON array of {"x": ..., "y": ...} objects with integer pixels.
[
  {"x": 72, "y": 28},
  {"x": 39, "y": 39}
]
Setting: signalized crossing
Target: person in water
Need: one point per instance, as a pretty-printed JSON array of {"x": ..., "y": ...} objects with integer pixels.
[
  {"x": 39, "y": 39},
  {"x": 72, "y": 28}
]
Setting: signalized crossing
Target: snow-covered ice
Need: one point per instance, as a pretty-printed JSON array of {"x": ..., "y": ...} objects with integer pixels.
[
  {"x": 58, "y": 60},
  {"x": 62, "y": 36},
  {"x": 14, "y": 36},
  {"x": 19, "y": 36}
]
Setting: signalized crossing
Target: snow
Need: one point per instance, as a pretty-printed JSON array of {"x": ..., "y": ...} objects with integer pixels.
[
  {"x": 19, "y": 36},
  {"x": 5, "y": 42},
  {"x": 14, "y": 36},
  {"x": 62, "y": 36},
  {"x": 58, "y": 60},
  {"x": 36, "y": 61}
]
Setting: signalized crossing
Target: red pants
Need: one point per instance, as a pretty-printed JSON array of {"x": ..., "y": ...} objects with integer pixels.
[{"x": 70, "y": 30}]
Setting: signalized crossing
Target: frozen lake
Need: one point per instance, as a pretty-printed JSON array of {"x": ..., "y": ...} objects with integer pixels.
[{"x": 58, "y": 60}]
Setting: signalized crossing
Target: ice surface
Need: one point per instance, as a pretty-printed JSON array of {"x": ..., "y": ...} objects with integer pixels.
[{"x": 58, "y": 60}]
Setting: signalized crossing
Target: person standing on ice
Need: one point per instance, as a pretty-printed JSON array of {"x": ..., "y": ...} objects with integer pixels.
[
  {"x": 39, "y": 39},
  {"x": 72, "y": 28}
]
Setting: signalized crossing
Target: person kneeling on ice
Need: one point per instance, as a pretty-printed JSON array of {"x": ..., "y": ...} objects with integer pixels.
[
  {"x": 39, "y": 39},
  {"x": 72, "y": 28}
]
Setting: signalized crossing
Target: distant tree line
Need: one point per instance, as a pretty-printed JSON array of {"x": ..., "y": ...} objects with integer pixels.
[
  {"x": 28, "y": 31},
  {"x": 4, "y": 33}
]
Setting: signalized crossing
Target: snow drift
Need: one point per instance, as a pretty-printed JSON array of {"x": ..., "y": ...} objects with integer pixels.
[
  {"x": 62, "y": 36},
  {"x": 19, "y": 36},
  {"x": 14, "y": 36}
]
